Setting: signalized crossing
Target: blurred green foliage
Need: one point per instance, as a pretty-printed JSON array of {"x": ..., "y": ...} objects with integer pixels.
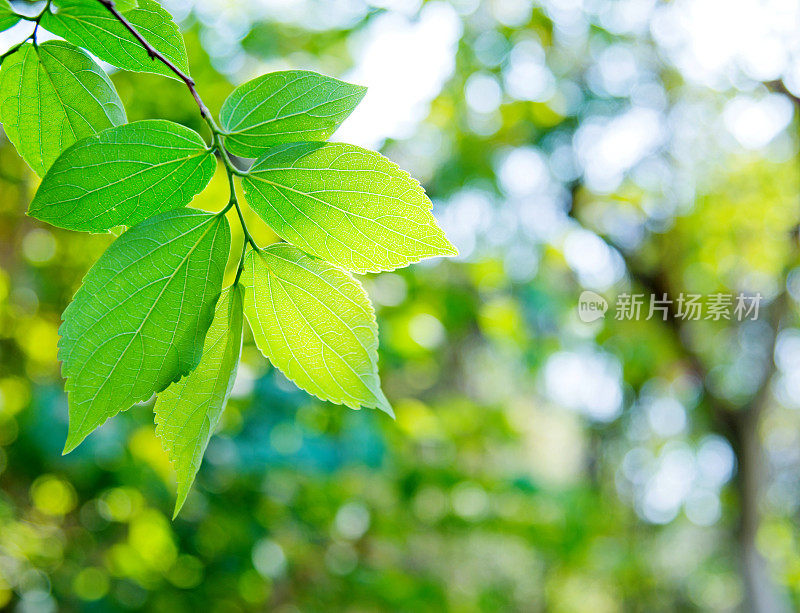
[{"x": 512, "y": 480}]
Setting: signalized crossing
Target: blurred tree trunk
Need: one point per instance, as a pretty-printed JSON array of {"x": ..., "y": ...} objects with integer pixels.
[
  {"x": 741, "y": 426},
  {"x": 738, "y": 424},
  {"x": 761, "y": 593}
]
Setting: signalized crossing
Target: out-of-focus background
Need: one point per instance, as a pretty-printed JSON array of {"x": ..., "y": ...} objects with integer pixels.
[{"x": 538, "y": 462}]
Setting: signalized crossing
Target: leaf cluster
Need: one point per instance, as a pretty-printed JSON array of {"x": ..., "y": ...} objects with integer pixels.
[{"x": 151, "y": 316}]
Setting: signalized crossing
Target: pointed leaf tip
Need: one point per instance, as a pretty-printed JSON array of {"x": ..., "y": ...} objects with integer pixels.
[
  {"x": 386, "y": 407},
  {"x": 70, "y": 444}
]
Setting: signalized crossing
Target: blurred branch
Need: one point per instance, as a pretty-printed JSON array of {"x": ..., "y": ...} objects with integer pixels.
[
  {"x": 657, "y": 283},
  {"x": 156, "y": 55},
  {"x": 779, "y": 87}
]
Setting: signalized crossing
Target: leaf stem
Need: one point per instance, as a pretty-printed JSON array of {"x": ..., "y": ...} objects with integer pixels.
[
  {"x": 241, "y": 264},
  {"x": 39, "y": 20},
  {"x": 230, "y": 167},
  {"x": 234, "y": 202},
  {"x": 32, "y": 36},
  {"x": 231, "y": 171}
]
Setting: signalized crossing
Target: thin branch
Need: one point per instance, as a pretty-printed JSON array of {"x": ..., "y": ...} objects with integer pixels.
[
  {"x": 230, "y": 169},
  {"x": 32, "y": 36},
  {"x": 156, "y": 55}
]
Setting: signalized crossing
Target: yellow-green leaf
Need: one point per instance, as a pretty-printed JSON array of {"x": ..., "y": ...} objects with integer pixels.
[
  {"x": 315, "y": 323},
  {"x": 286, "y": 107},
  {"x": 344, "y": 204},
  {"x": 187, "y": 412}
]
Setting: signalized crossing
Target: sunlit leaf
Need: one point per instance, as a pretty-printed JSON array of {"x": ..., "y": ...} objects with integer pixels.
[
  {"x": 140, "y": 318},
  {"x": 122, "y": 5},
  {"x": 52, "y": 96},
  {"x": 123, "y": 175},
  {"x": 188, "y": 411},
  {"x": 344, "y": 204},
  {"x": 8, "y": 17},
  {"x": 91, "y": 26},
  {"x": 286, "y": 107},
  {"x": 315, "y": 323}
]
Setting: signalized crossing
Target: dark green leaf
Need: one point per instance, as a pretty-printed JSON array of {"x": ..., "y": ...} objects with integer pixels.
[
  {"x": 91, "y": 26},
  {"x": 286, "y": 107},
  {"x": 346, "y": 205},
  {"x": 140, "y": 318},
  {"x": 53, "y": 96},
  {"x": 124, "y": 175}
]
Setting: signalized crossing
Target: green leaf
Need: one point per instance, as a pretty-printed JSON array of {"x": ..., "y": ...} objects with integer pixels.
[
  {"x": 53, "y": 96},
  {"x": 140, "y": 318},
  {"x": 315, "y": 323},
  {"x": 346, "y": 205},
  {"x": 91, "y": 26},
  {"x": 286, "y": 107},
  {"x": 8, "y": 18},
  {"x": 187, "y": 412},
  {"x": 124, "y": 175},
  {"x": 123, "y": 6}
]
